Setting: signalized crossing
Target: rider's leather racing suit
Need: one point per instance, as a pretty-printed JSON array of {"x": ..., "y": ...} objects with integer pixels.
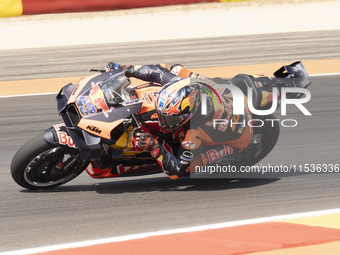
[{"x": 205, "y": 141}]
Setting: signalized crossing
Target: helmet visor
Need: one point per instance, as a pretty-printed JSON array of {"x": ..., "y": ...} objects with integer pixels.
[{"x": 171, "y": 122}]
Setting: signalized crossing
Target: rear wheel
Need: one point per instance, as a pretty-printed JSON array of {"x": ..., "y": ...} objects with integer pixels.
[{"x": 40, "y": 165}]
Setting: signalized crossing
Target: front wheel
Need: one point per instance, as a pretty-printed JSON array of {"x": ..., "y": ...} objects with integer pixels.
[{"x": 41, "y": 165}]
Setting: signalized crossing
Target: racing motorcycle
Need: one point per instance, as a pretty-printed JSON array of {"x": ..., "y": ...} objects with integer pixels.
[{"x": 100, "y": 115}]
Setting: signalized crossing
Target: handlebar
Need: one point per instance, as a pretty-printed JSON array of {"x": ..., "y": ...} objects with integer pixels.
[{"x": 96, "y": 70}]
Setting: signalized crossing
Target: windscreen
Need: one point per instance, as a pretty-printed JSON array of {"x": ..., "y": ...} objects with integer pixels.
[{"x": 114, "y": 88}]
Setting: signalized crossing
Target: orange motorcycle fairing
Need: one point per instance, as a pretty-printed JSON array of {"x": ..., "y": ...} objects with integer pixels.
[{"x": 149, "y": 94}]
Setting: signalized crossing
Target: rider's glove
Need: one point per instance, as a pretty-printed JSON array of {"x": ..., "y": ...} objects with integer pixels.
[
  {"x": 147, "y": 142},
  {"x": 129, "y": 69}
]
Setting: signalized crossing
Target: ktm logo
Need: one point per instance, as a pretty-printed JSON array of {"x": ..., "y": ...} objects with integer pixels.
[{"x": 93, "y": 129}]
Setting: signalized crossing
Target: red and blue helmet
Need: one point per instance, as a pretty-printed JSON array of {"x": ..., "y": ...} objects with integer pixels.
[{"x": 177, "y": 103}]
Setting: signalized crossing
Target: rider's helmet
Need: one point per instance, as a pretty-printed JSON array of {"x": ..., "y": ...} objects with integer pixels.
[{"x": 177, "y": 103}]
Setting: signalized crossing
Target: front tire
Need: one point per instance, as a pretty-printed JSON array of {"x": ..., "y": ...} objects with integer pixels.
[{"x": 41, "y": 165}]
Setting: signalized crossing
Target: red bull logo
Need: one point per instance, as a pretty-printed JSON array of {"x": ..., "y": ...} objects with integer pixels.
[
  {"x": 97, "y": 98},
  {"x": 217, "y": 115},
  {"x": 214, "y": 155}
]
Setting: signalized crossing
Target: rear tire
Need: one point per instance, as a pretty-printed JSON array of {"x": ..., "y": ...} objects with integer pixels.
[{"x": 34, "y": 165}]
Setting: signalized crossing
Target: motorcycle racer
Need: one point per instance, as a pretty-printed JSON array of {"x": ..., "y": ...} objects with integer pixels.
[
  {"x": 179, "y": 105},
  {"x": 184, "y": 122}
]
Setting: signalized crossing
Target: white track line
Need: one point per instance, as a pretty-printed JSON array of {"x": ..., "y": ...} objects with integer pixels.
[
  {"x": 29, "y": 95},
  {"x": 323, "y": 74},
  {"x": 171, "y": 231},
  {"x": 55, "y": 93}
]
